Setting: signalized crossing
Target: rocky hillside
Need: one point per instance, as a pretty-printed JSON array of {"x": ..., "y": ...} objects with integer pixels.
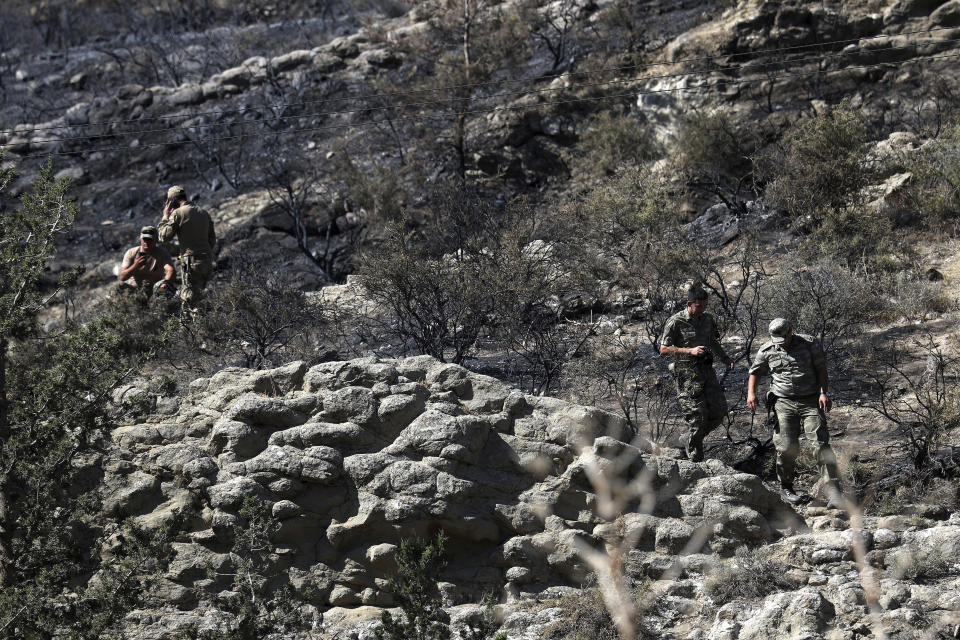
[
  {"x": 528, "y": 203},
  {"x": 534, "y": 493},
  {"x": 232, "y": 113}
]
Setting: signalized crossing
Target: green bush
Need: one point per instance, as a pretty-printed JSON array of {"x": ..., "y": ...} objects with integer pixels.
[
  {"x": 62, "y": 574},
  {"x": 826, "y": 300},
  {"x": 933, "y": 192},
  {"x": 821, "y": 167},
  {"x": 414, "y": 587},
  {"x": 257, "y": 607},
  {"x": 746, "y": 576},
  {"x": 858, "y": 238},
  {"x": 614, "y": 141}
]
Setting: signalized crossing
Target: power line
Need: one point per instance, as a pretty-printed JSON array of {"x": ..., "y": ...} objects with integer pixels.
[
  {"x": 496, "y": 109},
  {"x": 828, "y": 43},
  {"x": 366, "y": 110}
]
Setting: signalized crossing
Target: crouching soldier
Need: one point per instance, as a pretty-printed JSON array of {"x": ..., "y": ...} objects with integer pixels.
[
  {"x": 147, "y": 268},
  {"x": 692, "y": 338},
  {"x": 192, "y": 227},
  {"x": 800, "y": 392}
]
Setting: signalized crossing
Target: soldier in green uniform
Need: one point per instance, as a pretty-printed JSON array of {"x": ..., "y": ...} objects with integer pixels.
[
  {"x": 800, "y": 389},
  {"x": 193, "y": 229},
  {"x": 692, "y": 338}
]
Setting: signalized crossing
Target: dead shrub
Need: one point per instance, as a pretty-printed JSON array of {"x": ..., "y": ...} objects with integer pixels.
[{"x": 915, "y": 388}]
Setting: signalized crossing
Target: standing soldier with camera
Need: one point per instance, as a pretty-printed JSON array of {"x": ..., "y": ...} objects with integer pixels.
[
  {"x": 692, "y": 338},
  {"x": 193, "y": 229}
]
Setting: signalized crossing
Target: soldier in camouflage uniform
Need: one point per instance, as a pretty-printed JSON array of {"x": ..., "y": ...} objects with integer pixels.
[
  {"x": 691, "y": 337},
  {"x": 193, "y": 229},
  {"x": 146, "y": 268},
  {"x": 800, "y": 391}
]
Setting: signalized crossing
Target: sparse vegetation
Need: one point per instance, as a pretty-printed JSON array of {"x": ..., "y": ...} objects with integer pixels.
[
  {"x": 747, "y": 576},
  {"x": 933, "y": 194},
  {"x": 916, "y": 390},
  {"x": 257, "y": 605},
  {"x": 260, "y": 319},
  {"x": 493, "y": 173},
  {"x": 615, "y": 141},
  {"x": 414, "y": 587},
  {"x": 821, "y": 169}
]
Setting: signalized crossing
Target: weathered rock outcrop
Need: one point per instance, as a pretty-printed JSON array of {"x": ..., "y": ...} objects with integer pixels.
[{"x": 352, "y": 457}]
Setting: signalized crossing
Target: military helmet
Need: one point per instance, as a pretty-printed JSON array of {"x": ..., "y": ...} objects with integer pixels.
[{"x": 176, "y": 193}]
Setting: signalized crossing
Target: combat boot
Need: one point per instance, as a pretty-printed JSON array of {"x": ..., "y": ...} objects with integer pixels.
[{"x": 789, "y": 495}]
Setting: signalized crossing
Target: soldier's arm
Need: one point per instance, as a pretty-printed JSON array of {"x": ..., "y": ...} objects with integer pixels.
[
  {"x": 666, "y": 349},
  {"x": 167, "y": 261},
  {"x": 167, "y": 228},
  {"x": 667, "y": 341},
  {"x": 126, "y": 267},
  {"x": 752, "y": 392},
  {"x": 759, "y": 368},
  {"x": 823, "y": 378}
]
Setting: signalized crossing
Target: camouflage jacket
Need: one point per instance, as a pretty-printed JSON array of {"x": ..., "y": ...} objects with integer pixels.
[
  {"x": 193, "y": 228},
  {"x": 794, "y": 370},
  {"x": 682, "y": 330}
]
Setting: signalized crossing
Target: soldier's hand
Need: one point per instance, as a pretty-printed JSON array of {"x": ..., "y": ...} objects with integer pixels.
[
  {"x": 825, "y": 403},
  {"x": 166, "y": 209},
  {"x": 140, "y": 261},
  {"x": 752, "y": 403},
  {"x": 698, "y": 351}
]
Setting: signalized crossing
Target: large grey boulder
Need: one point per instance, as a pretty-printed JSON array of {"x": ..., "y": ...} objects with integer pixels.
[{"x": 353, "y": 457}]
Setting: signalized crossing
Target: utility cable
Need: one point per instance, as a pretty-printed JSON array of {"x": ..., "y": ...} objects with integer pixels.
[
  {"x": 421, "y": 118},
  {"x": 483, "y": 84},
  {"x": 515, "y": 94}
]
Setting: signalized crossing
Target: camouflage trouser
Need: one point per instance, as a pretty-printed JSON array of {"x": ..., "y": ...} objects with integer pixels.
[
  {"x": 702, "y": 402},
  {"x": 194, "y": 274},
  {"x": 792, "y": 415}
]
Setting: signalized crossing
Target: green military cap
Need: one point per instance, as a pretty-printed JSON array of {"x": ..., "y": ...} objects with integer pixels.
[
  {"x": 149, "y": 232},
  {"x": 780, "y": 328},
  {"x": 176, "y": 193}
]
